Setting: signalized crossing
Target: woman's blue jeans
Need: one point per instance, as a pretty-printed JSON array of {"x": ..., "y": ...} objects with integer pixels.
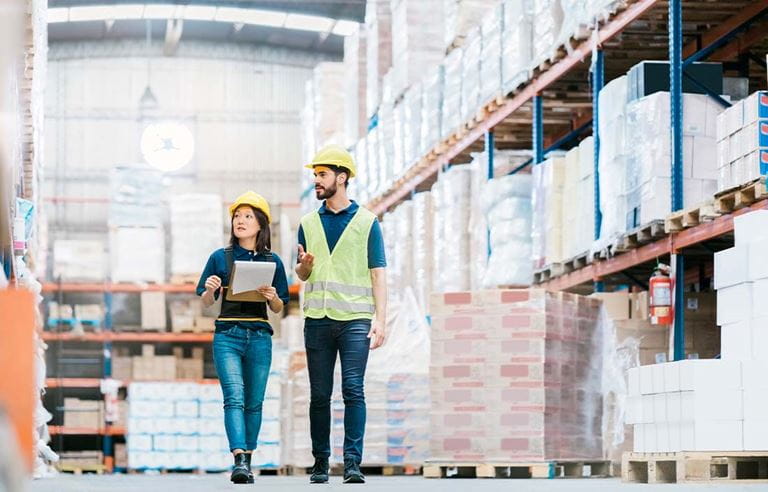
[{"x": 242, "y": 357}]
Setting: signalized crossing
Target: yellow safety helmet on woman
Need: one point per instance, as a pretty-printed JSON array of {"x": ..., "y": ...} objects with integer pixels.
[
  {"x": 334, "y": 155},
  {"x": 254, "y": 200}
]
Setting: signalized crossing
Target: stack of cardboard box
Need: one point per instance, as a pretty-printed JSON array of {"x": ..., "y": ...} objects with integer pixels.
[
  {"x": 189, "y": 368},
  {"x": 149, "y": 367},
  {"x": 515, "y": 376},
  {"x": 83, "y": 414}
]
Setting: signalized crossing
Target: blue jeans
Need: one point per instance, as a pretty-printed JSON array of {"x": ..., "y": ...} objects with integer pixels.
[
  {"x": 323, "y": 340},
  {"x": 242, "y": 359}
]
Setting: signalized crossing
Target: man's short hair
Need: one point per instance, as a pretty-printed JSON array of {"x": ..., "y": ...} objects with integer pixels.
[{"x": 338, "y": 169}]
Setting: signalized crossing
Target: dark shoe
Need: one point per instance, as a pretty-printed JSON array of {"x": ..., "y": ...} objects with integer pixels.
[
  {"x": 319, "y": 471},
  {"x": 242, "y": 468},
  {"x": 248, "y": 457},
  {"x": 352, "y": 472}
]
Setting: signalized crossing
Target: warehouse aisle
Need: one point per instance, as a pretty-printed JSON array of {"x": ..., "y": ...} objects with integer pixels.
[{"x": 193, "y": 483}]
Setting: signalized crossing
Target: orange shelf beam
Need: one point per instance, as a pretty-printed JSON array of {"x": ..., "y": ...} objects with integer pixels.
[
  {"x": 673, "y": 243},
  {"x": 118, "y": 288},
  {"x": 85, "y": 431},
  {"x": 108, "y": 336}
]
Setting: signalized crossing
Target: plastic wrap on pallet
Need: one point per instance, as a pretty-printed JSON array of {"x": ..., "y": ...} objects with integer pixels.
[
  {"x": 452, "y": 92},
  {"x": 478, "y": 226},
  {"x": 547, "y": 25},
  {"x": 136, "y": 197},
  {"x": 423, "y": 247},
  {"x": 508, "y": 211},
  {"x": 373, "y": 161},
  {"x": 75, "y": 259},
  {"x": 397, "y": 227},
  {"x": 137, "y": 254},
  {"x": 355, "y": 121},
  {"x": 378, "y": 25},
  {"x": 398, "y": 141},
  {"x": 328, "y": 80},
  {"x": 308, "y": 141},
  {"x": 386, "y": 145},
  {"x": 534, "y": 385},
  {"x": 196, "y": 230},
  {"x": 517, "y": 43},
  {"x": 432, "y": 110},
  {"x": 549, "y": 180},
  {"x": 360, "y": 183},
  {"x": 490, "y": 58},
  {"x": 614, "y": 148},
  {"x": 451, "y": 224},
  {"x": 470, "y": 74},
  {"x": 416, "y": 45},
  {"x": 649, "y": 169},
  {"x": 412, "y": 103},
  {"x": 461, "y": 16}
]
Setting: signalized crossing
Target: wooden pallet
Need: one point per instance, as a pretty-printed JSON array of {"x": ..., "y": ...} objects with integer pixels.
[
  {"x": 740, "y": 196},
  {"x": 338, "y": 470},
  {"x": 639, "y": 236},
  {"x": 688, "y": 467},
  {"x": 683, "y": 219},
  {"x": 546, "y": 469},
  {"x": 81, "y": 468},
  {"x": 557, "y": 269}
]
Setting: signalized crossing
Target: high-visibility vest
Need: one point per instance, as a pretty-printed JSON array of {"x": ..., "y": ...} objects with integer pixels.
[{"x": 339, "y": 286}]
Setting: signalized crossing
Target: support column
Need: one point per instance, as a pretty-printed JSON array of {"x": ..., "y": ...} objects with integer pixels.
[
  {"x": 676, "y": 112},
  {"x": 538, "y": 130}
]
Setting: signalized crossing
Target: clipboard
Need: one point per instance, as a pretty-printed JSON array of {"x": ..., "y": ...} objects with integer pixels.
[{"x": 247, "y": 296}]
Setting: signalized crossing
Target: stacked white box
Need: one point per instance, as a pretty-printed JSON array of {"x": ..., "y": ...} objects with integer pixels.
[
  {"x": 579, "y": 199},
  {"x": 432, "y": 110},
  {"x": 412, "y": 114},
  {"x": 416, "y": 45},
  {"x": 355, "y": 121},
  {"x": 328, "y": 79},
  {"x": 491, "y": 80},
  {"x": 548, "y": 18},
  {"x": 137, "y": 254},
  {"x": 691, "y": 405},
  {"x": 742, "y": 141},
  {"x": 548, "y": 188},
  {"x": 451, "y": 204},
  {"x": 197, "y": 222},
  {"x": 181, "y": 426},
  {"x": 470, "y": 74},
  {"x": 517, "y": 43},
  {"x": 461, "y": 16},
  {"x": 452, "y": 92},
  {"x": 78, "y": 260},
  {"x": 422, "y": 248},
  {"x": 378, "y": 26},
  {"x": 386, "y": 147},
  {"x": 649, "y": 172}
]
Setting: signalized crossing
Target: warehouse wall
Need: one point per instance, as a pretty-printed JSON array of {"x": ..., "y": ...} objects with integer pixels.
[{"x": 241, "y": 103}]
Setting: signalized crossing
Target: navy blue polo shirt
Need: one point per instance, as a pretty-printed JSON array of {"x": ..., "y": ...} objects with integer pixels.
[
  {"x": 334, "y": 224},
  {"x": 217, "y": 265}
]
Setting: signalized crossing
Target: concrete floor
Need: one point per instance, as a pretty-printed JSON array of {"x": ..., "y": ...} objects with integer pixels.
[{"x": 194, "y": 483}]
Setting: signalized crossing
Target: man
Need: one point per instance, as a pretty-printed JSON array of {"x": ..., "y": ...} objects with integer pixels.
[{"x": 341, "y": 257}]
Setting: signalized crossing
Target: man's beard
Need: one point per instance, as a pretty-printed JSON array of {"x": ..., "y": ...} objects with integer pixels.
[{"x": 326, "y": 193}]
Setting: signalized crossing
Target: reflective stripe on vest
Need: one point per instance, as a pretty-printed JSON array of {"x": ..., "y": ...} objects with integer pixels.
[
  {"x": 339, "y": 286},
  {"x": 352, "y": 290}
]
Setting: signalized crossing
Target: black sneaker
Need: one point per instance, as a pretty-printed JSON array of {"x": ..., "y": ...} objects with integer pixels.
[
  {"x": 352, "y": 472},
  {"x": 319, "y": 471},
  {"x": 241, "y": 471}
]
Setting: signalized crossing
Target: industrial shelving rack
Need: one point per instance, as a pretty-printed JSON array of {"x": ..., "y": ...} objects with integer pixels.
[{"x": 564, "y": 94}]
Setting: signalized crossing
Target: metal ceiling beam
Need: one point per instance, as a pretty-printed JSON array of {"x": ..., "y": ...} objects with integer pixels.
[{"x": 173, "y": 30}]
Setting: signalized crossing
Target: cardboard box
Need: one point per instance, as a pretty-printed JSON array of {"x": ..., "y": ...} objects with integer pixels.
[
  {"x": 751, "y": 227},
  {"x": 122, "y": 367},
  {"x": 121, "y": 456},
  {"x": 205, "y": 324},
  {"x": 617, "y": 304},
  {"x": 88, "y": 414},
  {"x": 153, "y": 311},
  {"x": 731, "y": 266},
  {"x": 734, "y": 303}
]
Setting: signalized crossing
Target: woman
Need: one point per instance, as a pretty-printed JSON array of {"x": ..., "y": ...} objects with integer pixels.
[{"x": 242, "y": 343}]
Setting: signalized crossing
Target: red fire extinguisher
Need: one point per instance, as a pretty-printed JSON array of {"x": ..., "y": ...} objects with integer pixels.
[{"x": 660, "y": 302}]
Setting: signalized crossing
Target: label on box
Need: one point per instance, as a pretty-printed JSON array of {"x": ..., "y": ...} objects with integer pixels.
[
  {"x": 763, "y": 129},
  {"x": 692, "y": 304},
  {"x": 763, "y": 105},
  {"x": 764, "y": 162}
]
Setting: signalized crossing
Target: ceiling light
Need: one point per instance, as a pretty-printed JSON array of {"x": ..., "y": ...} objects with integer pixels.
[
  {"x": 58, "y": 15},
  {"x": 159, "y": 11},
  {"x": 96, "y": 13},
  {"x": 308, "y": 23},
  {"x": 127, "y": 11},
  {"x": 345, "y": 28},
  {"x": 199, "y": 12}
]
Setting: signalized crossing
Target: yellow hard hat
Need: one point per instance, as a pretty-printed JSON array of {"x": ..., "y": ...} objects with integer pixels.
[
  {"x": 334, "y": 155},
  {"x": 254, "y": 200}
]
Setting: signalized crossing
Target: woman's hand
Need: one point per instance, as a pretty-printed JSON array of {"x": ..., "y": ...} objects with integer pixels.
[
  {"x": 212, "y": 284},
  {"x": 269, "y": 292}
]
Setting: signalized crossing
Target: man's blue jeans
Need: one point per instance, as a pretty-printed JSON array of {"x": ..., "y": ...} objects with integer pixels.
[
  {"x": 242, "y": 359},
  {"x": 323, "y": 340}
]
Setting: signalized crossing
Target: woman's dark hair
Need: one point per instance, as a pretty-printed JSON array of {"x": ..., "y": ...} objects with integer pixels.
[{"x": 263, "y": 237}]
